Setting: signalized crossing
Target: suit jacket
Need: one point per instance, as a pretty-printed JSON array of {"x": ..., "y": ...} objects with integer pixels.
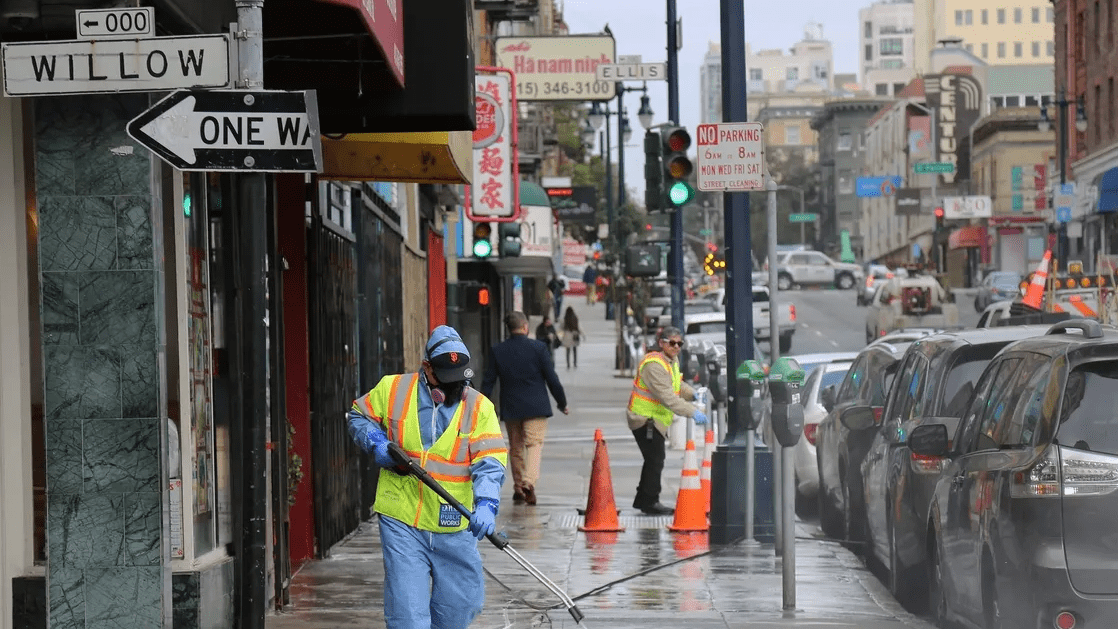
[{"x": 527, "y": 373}]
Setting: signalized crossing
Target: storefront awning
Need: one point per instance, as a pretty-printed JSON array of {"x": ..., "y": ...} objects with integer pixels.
[
  {"x": 533, "y": 194},
  {"x": 436, "y": 157},
  {"x": 1108, "y": 191},
  {"x": 969, "y": 236}
]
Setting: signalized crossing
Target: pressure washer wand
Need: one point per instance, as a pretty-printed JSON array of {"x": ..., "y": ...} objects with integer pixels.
[{"x": 498, "y": 539}]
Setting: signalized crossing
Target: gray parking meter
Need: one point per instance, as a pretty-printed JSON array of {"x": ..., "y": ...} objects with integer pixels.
[
  {"x": 751, "y": 381},
  {"x": 786, "y": 378}
]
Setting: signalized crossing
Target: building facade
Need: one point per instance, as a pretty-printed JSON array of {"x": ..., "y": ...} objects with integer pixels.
[
  {"x": 710, "y": 85},
  {"x": 886, "y": 46},
  {"x": 811, "y": 61},
  {"x": 1001, "y": 32},
  {"x": 839, "y": 126}
]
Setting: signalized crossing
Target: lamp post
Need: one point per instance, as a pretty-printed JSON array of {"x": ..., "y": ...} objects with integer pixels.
[{"x": 1081, "y": 126}]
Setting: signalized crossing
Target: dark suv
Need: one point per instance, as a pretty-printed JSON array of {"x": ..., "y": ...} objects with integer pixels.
[
  {"x": 933, "y": 386},
  {"x": 1022, "y": 524}
]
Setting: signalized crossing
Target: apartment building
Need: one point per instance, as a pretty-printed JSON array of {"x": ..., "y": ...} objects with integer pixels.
[
  {"x": 886, "y": 46},
  {"x": 810, "y": 61},
  {"x": 1000, "y": 32},
  {"x": 710, "y": 85}
]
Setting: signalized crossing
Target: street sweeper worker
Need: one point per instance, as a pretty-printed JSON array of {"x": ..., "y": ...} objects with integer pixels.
[
  {"x": 659, "y": 394},
  {"x": 433, "y": 574}
]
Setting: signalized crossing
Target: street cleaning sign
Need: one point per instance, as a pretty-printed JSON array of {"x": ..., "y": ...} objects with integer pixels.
[
  {"x": 730, "y": 156},
  {"x": 115, "y": 65},
  {"x": 558, "y": 68}
]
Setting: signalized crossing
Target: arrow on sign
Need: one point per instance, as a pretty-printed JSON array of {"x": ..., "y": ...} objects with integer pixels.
[
  {"x": 89, "y": 23},
  {"x": 257, "y": 131}
]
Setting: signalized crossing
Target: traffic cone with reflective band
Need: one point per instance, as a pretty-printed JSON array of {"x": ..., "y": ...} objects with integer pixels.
[
  {"x": 690, "y": 505},
  {"x": 704, "y": 471},
  {"x": 1034, "y": 295},
  {"x": 601, "y": 510}
]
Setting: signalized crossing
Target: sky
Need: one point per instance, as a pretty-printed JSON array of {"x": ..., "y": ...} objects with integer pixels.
[{"x": 639, "y": 28}]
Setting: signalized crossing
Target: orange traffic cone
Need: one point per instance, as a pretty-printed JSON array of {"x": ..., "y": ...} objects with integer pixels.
[
  {"x": 1034, "y": 295},
  {"x": 690, "y": 505},
  {"x": 601, "y": 510},
  {"x": 704, "y": 471}
]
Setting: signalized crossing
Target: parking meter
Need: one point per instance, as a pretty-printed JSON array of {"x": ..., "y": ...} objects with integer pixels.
[
  {"x": 786, "y": 378},
  {"x": 751, "y": 380}
]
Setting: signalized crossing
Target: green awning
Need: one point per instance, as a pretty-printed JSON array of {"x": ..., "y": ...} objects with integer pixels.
[{"x": 533, "y": 194}]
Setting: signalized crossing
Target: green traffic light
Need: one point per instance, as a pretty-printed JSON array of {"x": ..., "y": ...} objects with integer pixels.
[
  {"x": 680, "y": 193},
  {"x": 482, "y": 248}
]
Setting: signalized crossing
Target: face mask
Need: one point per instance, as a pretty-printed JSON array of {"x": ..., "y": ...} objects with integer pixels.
[{"x": 450, "y": 392}]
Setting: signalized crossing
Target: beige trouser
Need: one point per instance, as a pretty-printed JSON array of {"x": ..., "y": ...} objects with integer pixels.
[{"x": 526, "y": 450}]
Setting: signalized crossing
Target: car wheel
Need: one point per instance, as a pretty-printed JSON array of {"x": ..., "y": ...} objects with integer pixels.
[
  {"x": 977, "y": 306},
  {"x": 937, "y": 597},
  {"x": 784, "y": 282},
  {"x": 845, "y": 281},
  {"x": 828, "y": 519},
  {"x": 851, "y": 518},
  {"x": 991, "y": 606},
  {"x": 785, "y": 343},
  {"x": 900, "y": 580}
]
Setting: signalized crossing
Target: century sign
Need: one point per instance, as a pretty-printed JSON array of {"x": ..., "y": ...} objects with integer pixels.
[
  {"x": 956, "y": 101},
  {"x": 259, "y": 131},
  {"x": 558, "y": 68},
  {"x": 115, "y": 65},
  {"x": 730, "y": 156}
]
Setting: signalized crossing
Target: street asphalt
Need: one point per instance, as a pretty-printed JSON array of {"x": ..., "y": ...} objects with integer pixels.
[{"x": 646, "y": 576}]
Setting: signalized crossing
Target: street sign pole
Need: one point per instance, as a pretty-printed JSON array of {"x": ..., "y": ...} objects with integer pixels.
[
  {"x": 731, "y": 509},
  {"x": 676, "y": 272},
  {"x": 252, "y": 220}
]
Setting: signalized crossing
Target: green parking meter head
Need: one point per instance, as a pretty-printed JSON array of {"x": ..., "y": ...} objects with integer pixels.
[
  {"x": 785, "y": 379},
  {"x": 751, "y": 370}
]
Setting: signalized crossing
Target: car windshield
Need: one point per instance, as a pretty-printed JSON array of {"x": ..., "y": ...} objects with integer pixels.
[
  {"x": 699, "y": 308},
  {"x": 760, "y": 296},
  {"x": 964, "y": 372},
  {"x": 706, "y": 327},
  {"x": 833, "y": 377},
  {"x": 1004, "y": 280},
  {"x": 1087, "y": 419}
]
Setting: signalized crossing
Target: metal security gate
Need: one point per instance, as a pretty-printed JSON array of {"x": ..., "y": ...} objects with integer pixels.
[{"x": 331, "y": 298}]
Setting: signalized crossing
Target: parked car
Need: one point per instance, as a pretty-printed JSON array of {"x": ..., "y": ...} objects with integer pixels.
[
  {"x": 877, "y": 274},
  {"x": 909, "y": 302},
  {"x": 1022, "y": 520},
  {"x": 840, "y": 451},
  {"x": 802, "y": 268},
  {"x": 828, "y": 368},
  {"x": 997, "y": 286},
  {"x": 933, "y": 386},
  {"x": 993, "y": 313},
  {"x": 786, "y": 320}
]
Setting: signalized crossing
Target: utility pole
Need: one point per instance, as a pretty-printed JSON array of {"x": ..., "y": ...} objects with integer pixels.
[
  {"x": 676, "y": 272},
  {"x": 731, "y": 514},
  {"x": 253, "y": 220}
]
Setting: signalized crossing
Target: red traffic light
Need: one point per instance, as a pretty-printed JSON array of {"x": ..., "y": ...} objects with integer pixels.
[
  {"x": 679, "y": 140},
  {"x": 939, "y": 212},
  {"x": 483, "y": 296}
]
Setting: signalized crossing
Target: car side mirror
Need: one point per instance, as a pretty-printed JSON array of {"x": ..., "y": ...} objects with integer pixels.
[
  {"x": 827, "y": 396},
  {"x": 858, "y": 418},
  {"x": 929, "y": 440}
]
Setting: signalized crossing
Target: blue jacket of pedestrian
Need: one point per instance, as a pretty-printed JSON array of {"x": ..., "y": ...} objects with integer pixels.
[{"x": 527, "y": 373}]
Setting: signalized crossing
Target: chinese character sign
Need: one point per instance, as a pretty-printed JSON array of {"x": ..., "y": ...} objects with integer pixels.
[{"x": 492, "y": 191}]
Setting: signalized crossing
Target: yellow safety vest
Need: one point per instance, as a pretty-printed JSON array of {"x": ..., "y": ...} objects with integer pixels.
[
  {"x": 641, "y": 400},
  {"x": 473, "y": 433}
]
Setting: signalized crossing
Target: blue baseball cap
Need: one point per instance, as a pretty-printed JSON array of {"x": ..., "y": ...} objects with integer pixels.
[{"x": 448, "y": 355}]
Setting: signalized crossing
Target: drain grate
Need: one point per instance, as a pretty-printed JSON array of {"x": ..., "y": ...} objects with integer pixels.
[{"x": 627, "y": 522}]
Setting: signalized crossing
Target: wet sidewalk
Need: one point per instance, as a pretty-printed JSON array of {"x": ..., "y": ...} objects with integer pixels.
[{"x": 645, "y": 577}]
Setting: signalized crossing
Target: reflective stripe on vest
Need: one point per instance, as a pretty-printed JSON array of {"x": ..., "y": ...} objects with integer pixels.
[
  {"x": 641, "y": 400},
  {"x": 406, "y": 498}
]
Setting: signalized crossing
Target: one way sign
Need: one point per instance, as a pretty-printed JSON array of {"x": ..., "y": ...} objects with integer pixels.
[{"x": 246, "y": 131}]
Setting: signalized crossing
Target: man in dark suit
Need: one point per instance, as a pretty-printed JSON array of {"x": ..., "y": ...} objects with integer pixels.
[{"x": 527, "y": 373}]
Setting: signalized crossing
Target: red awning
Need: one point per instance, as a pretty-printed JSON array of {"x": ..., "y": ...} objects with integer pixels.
[
  {"x": 385, "y": 21},
  {"x": 969, "y": 236}
]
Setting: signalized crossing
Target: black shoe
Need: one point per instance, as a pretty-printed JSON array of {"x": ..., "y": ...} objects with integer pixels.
[{"x": 657, "y": 509}]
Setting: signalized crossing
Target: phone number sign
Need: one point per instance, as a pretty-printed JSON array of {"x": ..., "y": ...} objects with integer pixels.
[
  {"x": 558, "y": 68},
  {"x": 731, "y": 156}
]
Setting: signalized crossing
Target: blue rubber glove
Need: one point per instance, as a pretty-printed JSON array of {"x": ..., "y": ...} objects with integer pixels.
[
  {"x": 699, "y": 418},
  {"x": 484, "y": 520},
  {"x": 376, "y": 442}
]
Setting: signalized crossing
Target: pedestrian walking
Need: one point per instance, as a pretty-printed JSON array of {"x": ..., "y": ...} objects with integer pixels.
[
  {"x": 589, "y": 276},
  {"x": 548, "y": 335},
  {"x": 659, "y": 394},
  {"x": 572, "y": 335},
  {"x": 557, "y": 285},
  {"x": 432, "y": 569},
  {"x": 526, "y": 373}
]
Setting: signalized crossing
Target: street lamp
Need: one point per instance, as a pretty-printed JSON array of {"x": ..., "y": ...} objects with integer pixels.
[
  {"x": 597, "y": 116},
  {"x": 586, "y": 134},
  {"x": 1080, "y": 125},
  {"x": 644, "y": 114},
  {"x": 626, "y": 130}
]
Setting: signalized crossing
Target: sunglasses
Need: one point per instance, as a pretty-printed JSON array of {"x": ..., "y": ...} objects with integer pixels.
[{"x": 673, "y": 343}]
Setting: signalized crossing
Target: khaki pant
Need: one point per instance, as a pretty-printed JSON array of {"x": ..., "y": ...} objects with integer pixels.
[{"x": 526, "y": 450}]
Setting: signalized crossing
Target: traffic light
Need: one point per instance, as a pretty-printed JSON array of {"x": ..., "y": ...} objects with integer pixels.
[
  {"x": 677, "y": 166},
  {"x": 477, "y": 296},
  {"x": 508, "y": 239},
  {"x": 482, "y": 247},
  {"x": 642, "y": 261},
  {"x": 939, "y": 218},
  {"x": 653, "y": 173},
  {"x": 714, "y": 263}
]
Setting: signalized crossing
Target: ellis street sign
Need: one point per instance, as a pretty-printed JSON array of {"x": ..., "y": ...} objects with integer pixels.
[
  {"x": 804, "y": 217},
  {"x": 932, "y": 168},
  {"x": 45, "y": 68},
  {"x": 257, "y": 131}
]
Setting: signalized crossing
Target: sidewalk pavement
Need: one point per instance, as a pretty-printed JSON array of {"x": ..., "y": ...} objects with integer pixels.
[{"x": 734, "y": 586}]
